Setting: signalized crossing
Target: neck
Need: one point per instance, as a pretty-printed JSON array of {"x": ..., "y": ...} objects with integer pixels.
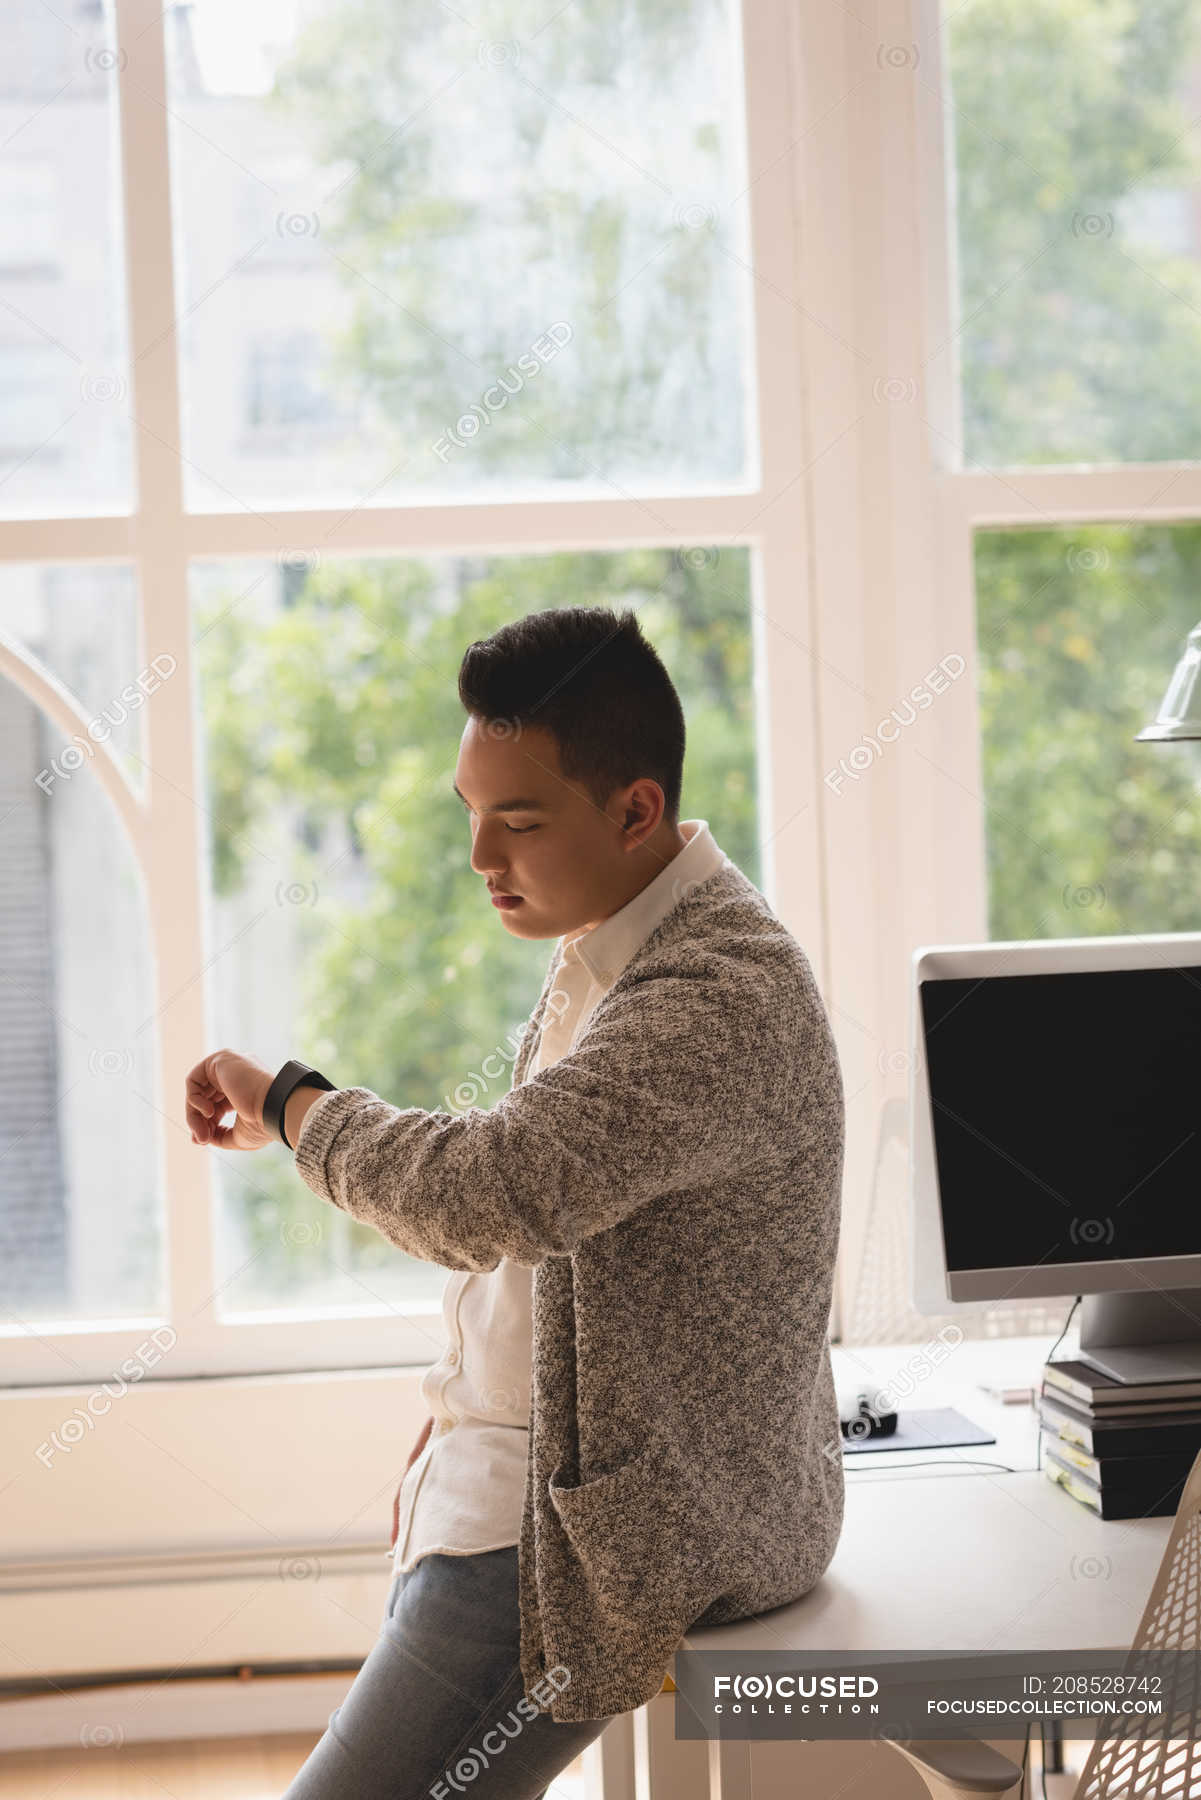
[{"x": 650, "y": 858}]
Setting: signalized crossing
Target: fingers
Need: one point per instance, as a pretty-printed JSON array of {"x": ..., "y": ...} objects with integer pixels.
[
  {"x": 203, "y": 1130},
  {"x": 206, "y": 1104},
  {"x": 209, "y": 1098},
  {"x": 204, "y": 1101},
  {"x": 203, "y": 1111}
]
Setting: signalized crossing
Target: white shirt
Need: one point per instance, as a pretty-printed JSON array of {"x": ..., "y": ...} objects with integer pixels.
[{"x": 464, "y": 1493}]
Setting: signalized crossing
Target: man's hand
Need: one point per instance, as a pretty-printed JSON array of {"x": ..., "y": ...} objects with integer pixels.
[{"x": 226, "y": 1082}]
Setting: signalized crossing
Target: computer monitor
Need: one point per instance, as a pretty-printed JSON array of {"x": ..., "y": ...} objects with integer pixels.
[{"x": 1055, "y": 1113}]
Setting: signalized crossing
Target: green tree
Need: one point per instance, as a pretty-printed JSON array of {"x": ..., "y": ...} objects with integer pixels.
[
  {"x": 515, "y": 170},
  {"x": 1079, "y": 337},
  {"x": 1088, "y": 831},
  {"x": 1079, "y": 340}
]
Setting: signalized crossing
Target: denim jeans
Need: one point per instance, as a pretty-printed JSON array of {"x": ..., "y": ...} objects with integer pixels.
[{"x": 443, "y": 1676}]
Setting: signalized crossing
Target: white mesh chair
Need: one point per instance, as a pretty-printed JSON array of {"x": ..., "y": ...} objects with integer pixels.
[{"x": 1160, "y": 1762}]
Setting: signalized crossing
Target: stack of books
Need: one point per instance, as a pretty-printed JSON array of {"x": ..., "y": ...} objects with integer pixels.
[{"x": 1125, "y": 1450}]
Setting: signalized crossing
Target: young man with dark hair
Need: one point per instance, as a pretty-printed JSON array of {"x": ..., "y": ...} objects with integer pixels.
[{"x": 634, "y": 1415}]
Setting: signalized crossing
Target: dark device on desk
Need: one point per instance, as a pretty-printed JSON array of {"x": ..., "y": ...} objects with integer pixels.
[
  {"x": 868, "y": 1427},
  {"x": 867, "y": 1422},
  {"x": 1056, "y": 1138}
]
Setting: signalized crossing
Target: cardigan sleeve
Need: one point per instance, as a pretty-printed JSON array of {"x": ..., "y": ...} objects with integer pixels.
[{"x": 669, "y": 1088}]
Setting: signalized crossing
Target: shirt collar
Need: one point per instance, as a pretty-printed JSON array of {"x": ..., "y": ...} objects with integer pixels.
[{"x": 608, "y": 947}]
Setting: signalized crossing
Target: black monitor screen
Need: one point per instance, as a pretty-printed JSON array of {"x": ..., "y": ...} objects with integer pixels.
[{"x": 1066, "y": 1111}]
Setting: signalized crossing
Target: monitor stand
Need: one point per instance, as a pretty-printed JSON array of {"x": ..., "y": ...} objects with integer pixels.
[{"x": 1151, "y": 1335}]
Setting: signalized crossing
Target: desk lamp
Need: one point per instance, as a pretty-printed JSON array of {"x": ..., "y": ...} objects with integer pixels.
[{"x": 1179, "y": 715}]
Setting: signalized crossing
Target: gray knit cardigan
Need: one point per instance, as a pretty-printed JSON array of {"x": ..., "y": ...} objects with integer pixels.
[{"x": 674, "y": 1183}]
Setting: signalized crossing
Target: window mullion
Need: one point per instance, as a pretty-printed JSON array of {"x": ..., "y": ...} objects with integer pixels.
[{"x": 174, "y": 800}]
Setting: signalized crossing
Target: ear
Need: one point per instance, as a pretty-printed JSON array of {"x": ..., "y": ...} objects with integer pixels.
[{"x": 642, "y": 808}]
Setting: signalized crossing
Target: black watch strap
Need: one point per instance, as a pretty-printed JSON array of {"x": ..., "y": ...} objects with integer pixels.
[{"x": 291, "y": 1076}]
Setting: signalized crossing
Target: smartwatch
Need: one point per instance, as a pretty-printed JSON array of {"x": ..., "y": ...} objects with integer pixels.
[{"x": 292, "y": 1075}]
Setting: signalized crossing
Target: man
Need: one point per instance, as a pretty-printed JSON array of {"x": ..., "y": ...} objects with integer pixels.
[{"x": 634, "y": 1416}]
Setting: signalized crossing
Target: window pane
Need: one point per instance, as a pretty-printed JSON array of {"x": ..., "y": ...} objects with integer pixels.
[
  {"x": 80, "y": 1215},
  {"x": 346, "y": 926},
  {"x": 81, "y": 622},
  {"x": 423, "y": 255},
  {"x": 64, "y": 370},
  {"x": 1079, "y": 631},
  {"x": 1076, "y": 135}
]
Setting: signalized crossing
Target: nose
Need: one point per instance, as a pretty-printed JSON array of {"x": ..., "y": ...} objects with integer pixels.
[{"x": 486, "y": 855}]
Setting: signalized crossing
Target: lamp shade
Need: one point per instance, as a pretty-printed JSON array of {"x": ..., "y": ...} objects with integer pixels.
[{"x": 1179, "y": 715}]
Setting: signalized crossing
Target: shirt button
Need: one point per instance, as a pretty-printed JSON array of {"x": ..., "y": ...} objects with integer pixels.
[
  {"x": 445, "y": 1426},
  {"x": 452, "y": 1356}
]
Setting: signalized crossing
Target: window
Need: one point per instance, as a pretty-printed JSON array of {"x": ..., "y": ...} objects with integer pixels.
[
  {"x": 29, "y": 217},
  {"x": 522, "y": 255},
  {"x": 1078, "y": 626},
  {"x": 1077, "y": 234},
  {"x": 387, "y": 395},
  {"x": 1055, "y": 358},
  {"x": 284, "y": 386},
  {"x": 64, "y": 367},
  {"x": 81, "y": 1217},
  {"x": 1088, "y": 831},
  {"x": 857, "y": 364},
  {"x": 34, "y": 402}
]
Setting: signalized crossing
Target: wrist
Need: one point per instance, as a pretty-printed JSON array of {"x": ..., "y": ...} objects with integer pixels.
[
  {"x": 279, "y": 1107},
  {"x": 298, "y": 1103},
  {"x": 261, "y": 1101}
]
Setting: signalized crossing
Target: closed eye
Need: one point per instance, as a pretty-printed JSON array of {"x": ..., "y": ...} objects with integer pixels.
[{"x": 522, "y": 828}]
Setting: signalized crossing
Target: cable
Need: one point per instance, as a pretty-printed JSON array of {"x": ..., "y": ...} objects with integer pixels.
[
  {"x": 933, "y": 1462},
  {"x": 1064, "y": 1332},
  {"x": 1042, "y": 1724},
  {"x": 1042, "y": 1388}
]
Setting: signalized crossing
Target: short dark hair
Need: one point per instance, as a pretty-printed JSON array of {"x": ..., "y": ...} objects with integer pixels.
[{"x": 588, "y": 676}]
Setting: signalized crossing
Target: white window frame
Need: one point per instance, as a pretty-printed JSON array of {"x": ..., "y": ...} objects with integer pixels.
[
  {"x": 893, "y": 547},
  {"x": 860, "y": 534},
  {"x": 860, "y": 531},
  {"x": 160, "y": 538}
]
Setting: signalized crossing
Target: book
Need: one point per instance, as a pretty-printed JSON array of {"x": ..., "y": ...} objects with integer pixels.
[
  {"x": 1118, "y": 1471},
  {"x": 1085, "y": 1383},
  {"x": 1164, "y": 1436},
  {"x": 1154, "y": 1500},
  {"x": 1139, "y": 1409}
]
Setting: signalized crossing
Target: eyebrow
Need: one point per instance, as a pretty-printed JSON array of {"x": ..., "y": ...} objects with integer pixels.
[{"x": 518, "y": 805}]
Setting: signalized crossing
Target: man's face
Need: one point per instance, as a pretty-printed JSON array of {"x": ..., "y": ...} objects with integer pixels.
[{"x": 536, "y": 835}]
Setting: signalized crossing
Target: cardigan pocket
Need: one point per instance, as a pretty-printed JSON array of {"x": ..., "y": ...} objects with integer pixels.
[{"x": 639, "y": 1533}]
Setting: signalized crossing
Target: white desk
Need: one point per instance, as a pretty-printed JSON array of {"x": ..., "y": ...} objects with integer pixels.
[
  {"x": 966, "y": 1561},
  {"x": 964, "y": 1556},
  {"x": 961, "y": 1556}
]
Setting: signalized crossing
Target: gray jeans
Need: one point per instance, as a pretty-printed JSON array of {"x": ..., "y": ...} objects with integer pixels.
[{"x": 433, "y": 1713}]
